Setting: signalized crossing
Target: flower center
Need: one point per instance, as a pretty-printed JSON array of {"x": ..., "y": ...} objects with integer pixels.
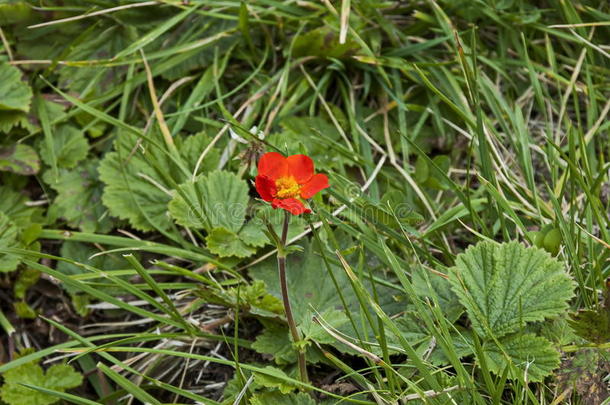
[{"x": 287, "y": 187}]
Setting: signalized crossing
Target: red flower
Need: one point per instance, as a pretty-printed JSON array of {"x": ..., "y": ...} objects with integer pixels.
[{"x": 286, "y": 181}]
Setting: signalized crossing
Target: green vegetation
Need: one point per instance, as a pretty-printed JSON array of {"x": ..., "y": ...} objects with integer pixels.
[{"x": 460, "y": 256}]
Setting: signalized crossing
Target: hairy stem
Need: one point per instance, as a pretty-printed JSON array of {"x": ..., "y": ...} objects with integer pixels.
[{"x": 281, "y": 265}]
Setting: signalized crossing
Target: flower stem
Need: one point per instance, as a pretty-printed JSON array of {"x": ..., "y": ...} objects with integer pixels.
[{"x": 281, "y": 265}]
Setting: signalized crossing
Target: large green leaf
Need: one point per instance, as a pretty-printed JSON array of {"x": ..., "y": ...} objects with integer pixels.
[
  {"x": 16, "y": 94},
  {"x": 503, "y": 286},
  {"x": 79, "y": 197},
  {"x": 8, "y": 239},
  {"x": 313, "y": 293},
  {"x": 216, "y": 200},
  {"x": 137, "y": 177},
  {"x": 532, "y": 356},
  {"x": 58, "y": 377}
]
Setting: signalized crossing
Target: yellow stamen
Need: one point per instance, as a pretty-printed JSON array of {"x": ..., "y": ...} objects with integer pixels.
[{"x": 287, "y": 187}]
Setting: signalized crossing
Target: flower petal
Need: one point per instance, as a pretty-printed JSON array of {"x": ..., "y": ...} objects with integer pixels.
[
  {"x": 272, "y": 165},
  {"x": 316, "y": 183},
  {"x": 292, "y": 205},
  {"x": 300, "y": 167},
  {"x": 265, "y": 187}
]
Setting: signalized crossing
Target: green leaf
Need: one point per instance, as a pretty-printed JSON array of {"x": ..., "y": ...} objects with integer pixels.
[
  {"x": 504, "y": 286},
  {"x": 62, "y": 376},
  {"x": 19, "y": 158},
  {"x": 10, "y": 119},
  {"x": 275, "y": 383},
  {"x": 59, "y": 377},
  {"x": 253, "y": 298},
  {"x": 191, "y": 148},
  {"x": 135, "y": 190},
  {"x": 217, "y": 200},
  {"x": 27, "y": 278},
  {"x": 16, "y": 94},
  {"x": 139, "y": 179},
  {"x": 226, "y": 243},
  {"x": 23, "y": 310},
  {"x": 312, "y": 292},
  {"x": 313, "y": 331},
  {"x": 8, "y": 239},
  {"x": 533, "y": 356},
  {"x": 428, "y": 284},
  {"x": 252, "y": 234},
  {"x": 13, "y": 204},
  {"x": 256, "y": 297},
  {"x": 79, "y": 197},
  {"x": 277, "y": 398},
  {"x": 275, "y": 341},
  {"x": 70, "y": 146}
]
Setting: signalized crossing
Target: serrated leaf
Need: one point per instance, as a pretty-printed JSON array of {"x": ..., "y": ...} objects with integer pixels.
[
  {"x": 16, "y": 94},
  {"x": 533, "y": 356},
  {"x": 504, "y": 286},
  {"x": 277, "y": 398},
  {"x": 256, "y": 297},
  {"x": 252, "y": 234},
  {"x": 311, "y": 330},
  {"x": 11, "y": 119},
  {"x": 217, "y": 200},
  {"x": 70, "y": 146},
  {"x": 275, "y": 383},
  {"x": 191, "y": 148},
  {"x": 275, "y": 341},
  {"x": 137, "y": 187},
  {"x": 8, "y": 239},
  {"x": 59, "y": 377},
  {"x": 79, "y": 197},
  {"x": 136, "y": 178},
  {"x": 226, "y": 243},
  {"x": 62, "y": 376},
  {"x": 20, "y": 159},
  {"x": 253, "y": 298}
]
